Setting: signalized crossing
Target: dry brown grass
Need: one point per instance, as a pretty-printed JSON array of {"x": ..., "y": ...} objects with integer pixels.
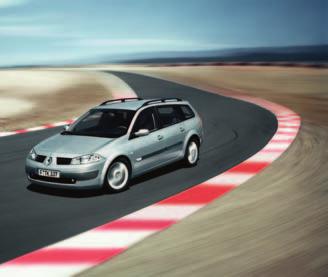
[{"x": 67, "y": 99}]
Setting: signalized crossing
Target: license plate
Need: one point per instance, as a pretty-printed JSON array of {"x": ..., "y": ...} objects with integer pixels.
[{"x": 49, "y": 173}]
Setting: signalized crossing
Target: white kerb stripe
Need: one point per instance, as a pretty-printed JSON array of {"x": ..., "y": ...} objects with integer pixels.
[
  {"x": 57, "y": 124},
  {"x": 288, "y": 124},
  {"x": 264, "y": 157},
  {"x": 287, "y": 130},
  {"x": 4, "y": 134},
  {"x": 36, "y": 128},
  {"x": 286, "y": 112},
  {"x": 103, "y": 240},
  {"x": 229, "y": 179},
  {"x": 169, "y": 212},
  {"x": 276, "y": 146},
  {"x": 283, "y": 137},
  {"x": 34, "y": 270}
]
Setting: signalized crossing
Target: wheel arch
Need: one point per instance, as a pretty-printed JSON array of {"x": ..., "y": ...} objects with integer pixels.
[
  {"x": 192, "y": 135},
  {"x": 196, "y": 138},
  {"x": 108, "y": 163}
]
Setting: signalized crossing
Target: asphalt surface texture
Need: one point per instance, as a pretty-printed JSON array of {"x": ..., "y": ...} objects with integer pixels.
[{"x": 33, "y": 217}]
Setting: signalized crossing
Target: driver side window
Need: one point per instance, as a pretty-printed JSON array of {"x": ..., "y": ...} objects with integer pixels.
[{"x": 145, "y": 120}]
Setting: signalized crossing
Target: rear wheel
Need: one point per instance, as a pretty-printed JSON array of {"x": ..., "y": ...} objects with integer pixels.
[
  {"x": 192, "y": 153},
  {"x": 118, "y": 176}
]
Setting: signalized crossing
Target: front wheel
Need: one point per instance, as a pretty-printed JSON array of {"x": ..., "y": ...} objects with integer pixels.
[
  {"x": 117, "y": 176},
  {"x": 192, "y": 153}
]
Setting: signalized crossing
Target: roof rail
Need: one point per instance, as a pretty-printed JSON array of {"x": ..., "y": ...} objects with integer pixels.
[
  {"x": 161, "y": 100},
  {"x": 120, "y": 100}
]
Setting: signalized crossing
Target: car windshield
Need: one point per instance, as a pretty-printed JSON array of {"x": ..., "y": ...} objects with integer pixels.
[{"x": 109, "y": 123}]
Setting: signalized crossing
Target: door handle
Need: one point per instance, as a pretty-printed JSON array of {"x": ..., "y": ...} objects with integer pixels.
[
  {"x": 160, "y": 137},
  {"x": 182, "y": 129}
]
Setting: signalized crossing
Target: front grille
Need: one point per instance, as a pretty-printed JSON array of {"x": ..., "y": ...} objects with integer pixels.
[
  {"x": 53, "y": 180},
  {"x": 40, "y": 158},
  {"x": 63, "y": 161}
]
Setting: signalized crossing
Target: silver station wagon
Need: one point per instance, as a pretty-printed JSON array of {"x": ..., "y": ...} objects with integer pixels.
[{"x": 116, "y": 141}]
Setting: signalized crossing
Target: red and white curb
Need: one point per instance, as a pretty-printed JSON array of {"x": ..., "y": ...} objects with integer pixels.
[
  {"x": 78, "y": 253},
  {"x": 38, "y": 128}
]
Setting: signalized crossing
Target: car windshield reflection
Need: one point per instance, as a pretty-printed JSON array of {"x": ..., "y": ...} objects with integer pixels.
[{"x": 108, "y": 123}]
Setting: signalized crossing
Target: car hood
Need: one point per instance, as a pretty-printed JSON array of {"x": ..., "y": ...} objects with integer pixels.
[{"x": 71, "y": 145}]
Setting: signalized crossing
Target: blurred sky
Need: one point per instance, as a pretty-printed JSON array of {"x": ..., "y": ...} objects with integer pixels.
[{"x": 55, "y": 31}]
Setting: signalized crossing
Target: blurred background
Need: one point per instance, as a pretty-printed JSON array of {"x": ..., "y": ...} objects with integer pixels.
[{"x": 37, "y": 32}]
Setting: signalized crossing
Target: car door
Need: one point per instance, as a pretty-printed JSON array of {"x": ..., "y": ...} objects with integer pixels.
[
  {"x": 171, "y": 122},
  {"x": 148, "y": 149}
]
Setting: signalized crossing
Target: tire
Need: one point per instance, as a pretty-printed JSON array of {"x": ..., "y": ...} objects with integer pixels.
[
  {"x": 192, "y": 153},
  {"x": 117, "y": 177}
]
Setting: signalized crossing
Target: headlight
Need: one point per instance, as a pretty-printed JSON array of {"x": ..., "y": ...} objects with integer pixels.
[
  {"x": 32, "y": 155},
  {"x": 86, "y": 159}
]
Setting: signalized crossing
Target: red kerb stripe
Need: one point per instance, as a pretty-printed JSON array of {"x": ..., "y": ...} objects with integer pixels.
[
  {"x": 197, "y": 195},
  {"x": 127, "y": 224},
  {"x": 272, "y": 150},
  {"x": 66, "y": 256},
  {"x": 287, "y": 126},
  {"x": 249, "y": 167},
  {"x": 21, "y": 131}
]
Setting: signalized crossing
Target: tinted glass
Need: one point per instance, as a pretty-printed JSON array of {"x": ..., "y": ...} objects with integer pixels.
[
  {"x": 145, "y": 120},
  {"x": 187, "y": 112},
  {"x": 102, "y": 123},
  {"x": 168, "y": 115}
]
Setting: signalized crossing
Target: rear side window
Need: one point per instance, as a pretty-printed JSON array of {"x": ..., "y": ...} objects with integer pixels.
[
  {"x": 168, "y": 115},
  {"x": 187, "y": 112}
]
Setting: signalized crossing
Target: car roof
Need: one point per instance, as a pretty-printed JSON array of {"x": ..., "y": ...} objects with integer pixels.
[{"x": 132, "y": 104}]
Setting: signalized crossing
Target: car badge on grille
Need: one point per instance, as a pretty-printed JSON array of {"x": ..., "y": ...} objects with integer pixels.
[{"x": 48, "y": 161}]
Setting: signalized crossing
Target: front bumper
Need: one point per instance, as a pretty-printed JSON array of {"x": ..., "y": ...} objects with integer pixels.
[{"x": 85, "y": 176}]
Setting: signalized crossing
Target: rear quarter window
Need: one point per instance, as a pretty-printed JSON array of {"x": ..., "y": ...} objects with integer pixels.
[
  {"x": 168, "y": 115},
  {"x": 187, "y": 112}
]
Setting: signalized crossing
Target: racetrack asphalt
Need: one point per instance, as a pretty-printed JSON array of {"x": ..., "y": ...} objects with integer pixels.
[{"x": 33, "y": 217}]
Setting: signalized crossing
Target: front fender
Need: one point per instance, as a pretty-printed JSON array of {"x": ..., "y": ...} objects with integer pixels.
[{"x": 109, "y": 160}]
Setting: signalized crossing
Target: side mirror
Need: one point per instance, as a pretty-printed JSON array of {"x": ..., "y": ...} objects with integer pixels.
[
  {"x": 142, "y": 132},
  {"x": 66, "y": 127}
]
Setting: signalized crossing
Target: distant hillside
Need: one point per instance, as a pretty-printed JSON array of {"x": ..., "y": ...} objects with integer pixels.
[
  {"x": 305, "y": 54},
  {"x": 261, "y": 54}
]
